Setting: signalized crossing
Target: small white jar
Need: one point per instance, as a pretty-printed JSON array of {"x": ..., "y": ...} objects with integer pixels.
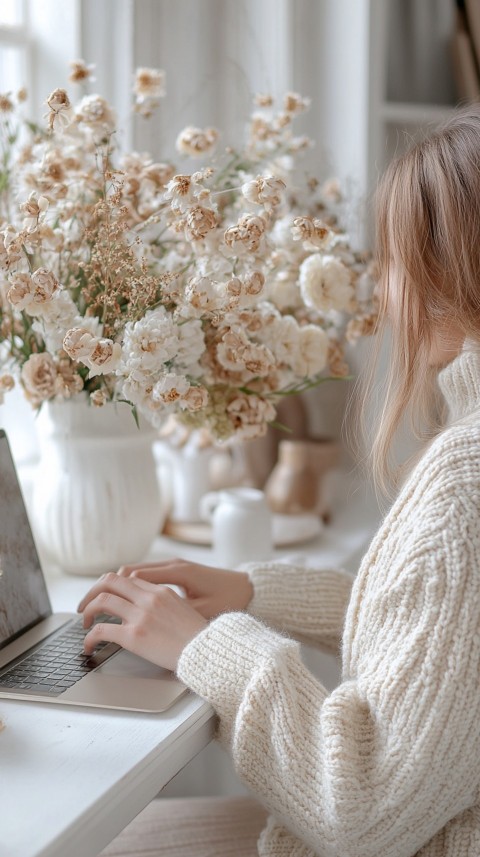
[{"x": 241, "y": 525}]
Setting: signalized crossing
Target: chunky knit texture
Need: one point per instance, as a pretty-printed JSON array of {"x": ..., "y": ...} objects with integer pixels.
[{"x": 388, "y": 764}]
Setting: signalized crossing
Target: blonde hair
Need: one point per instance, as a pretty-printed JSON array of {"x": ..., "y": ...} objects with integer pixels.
[{"x": 428, "y": 224}]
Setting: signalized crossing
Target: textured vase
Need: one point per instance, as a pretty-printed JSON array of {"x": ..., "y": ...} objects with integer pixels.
[
  {"x": 96, "y": 500},
  {"x": 296, "y": 484}
]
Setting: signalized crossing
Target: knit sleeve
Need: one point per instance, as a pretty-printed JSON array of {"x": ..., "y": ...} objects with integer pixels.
[
  {"x": 382, "y": 763},
  {"x": 307, "y": 603}
]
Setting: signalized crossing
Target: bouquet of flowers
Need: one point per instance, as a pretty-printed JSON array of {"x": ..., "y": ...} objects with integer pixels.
[{"x": 208, "y": 293}]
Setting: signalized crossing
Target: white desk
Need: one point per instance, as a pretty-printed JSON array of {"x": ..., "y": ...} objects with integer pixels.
[{"x": 71, "y": 779}]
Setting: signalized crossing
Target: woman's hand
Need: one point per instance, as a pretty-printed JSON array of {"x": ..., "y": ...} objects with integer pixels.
[
  {"x": 156, "y": 624},
  {"x": 209, "y": 590}
]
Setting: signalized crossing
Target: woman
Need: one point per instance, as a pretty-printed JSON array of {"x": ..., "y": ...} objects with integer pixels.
[{"x": 388, "y": 764}]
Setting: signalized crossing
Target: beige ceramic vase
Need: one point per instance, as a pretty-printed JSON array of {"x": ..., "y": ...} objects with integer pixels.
[{"x": 296, "y": 484}]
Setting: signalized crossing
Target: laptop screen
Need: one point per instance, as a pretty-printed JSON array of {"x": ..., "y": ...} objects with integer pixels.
[{"x": 23, "y": 595}]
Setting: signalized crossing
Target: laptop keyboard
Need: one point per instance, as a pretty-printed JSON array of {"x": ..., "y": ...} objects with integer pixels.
[{"x": 57, "y": 663}]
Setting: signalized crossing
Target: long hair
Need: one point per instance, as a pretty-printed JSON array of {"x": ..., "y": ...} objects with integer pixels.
[{"x": 427, "y": 211}]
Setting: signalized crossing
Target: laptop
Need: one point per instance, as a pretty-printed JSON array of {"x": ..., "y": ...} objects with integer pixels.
[{"x": 41, "y": 652}]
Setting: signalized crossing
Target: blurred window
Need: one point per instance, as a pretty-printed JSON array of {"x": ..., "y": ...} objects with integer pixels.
[{"x": 14, "y": 46}]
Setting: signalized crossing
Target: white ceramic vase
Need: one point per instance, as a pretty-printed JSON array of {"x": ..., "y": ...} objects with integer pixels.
[{"x": 96, "y": 500}]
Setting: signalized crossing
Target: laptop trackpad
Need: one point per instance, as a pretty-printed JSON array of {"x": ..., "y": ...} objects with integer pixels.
[
  {"x": 127, "y": 682},
  {"x": 126, "y": 664}
]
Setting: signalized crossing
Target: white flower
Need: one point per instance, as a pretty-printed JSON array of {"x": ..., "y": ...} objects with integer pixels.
[
  {"x": 191, "y": 345},
  {"x": 20, "y": 293},
  {"x": 281, "y": 234},
  {"x": 249, "y": 415},
  {"x": 204, "y": 296},
  {"x": 195, "y": 142},
  {"x": 54, "y": 318},
  {"x": 198, "y": 222},
  {"x": 311, "y": 357},
  {"x": 79, "y": 343},
  {"x": 45, "y": 285},
  {"x": 104, "y": 358},
  {"x": 180, "y": 190},
  {"x": 150, "y": 342},
  {"x": 94, "y": 112},
  {"x": 325, "y": 283},
  {"x": 246, "y": 236},
  {"x": 33, "y": 208},
  {"x": 31, "y": 292},
  {"x": 170, "y": 388},
  {"x": 194, "y": 399},
  {"x": 284, "y": 339},
  {"x": 237, "y": 354},
  {"x": 313, "y": 232},
  {"x": 138, "y": 391},
  {"x": 38, "y": 376},
  {"x": 264, "y": 190},
  {"x": 283, "y": 290}
]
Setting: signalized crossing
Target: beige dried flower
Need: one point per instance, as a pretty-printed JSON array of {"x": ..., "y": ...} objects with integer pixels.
[
  {"x": 98, "y": 398},
  {"x": 79, "y": 343},
  {"x": 198, "y": 222},
  {"x": 261, "y": 129},
  {"x": 195, "y": 398},
  {"x": 6, "y": 103},
  {"x": 165, "y": 285},
  {"x": 295, "y": 103},
  {"x": 81, "y": 72},
  {"x": 195, "y": 142},
  {"x": 159, "y": 174},
  {"x": 247, "y": 233},
  {"x": 60, "y": 109},
  {"x": 7, "y": 382},
  {"x": 337, "y": 364},
  {"x": 331, "y": 191},
  {"x": 20, "y": 293},
  {"x": 311, "y": 230},
  {"x": 102, "y": 352},
  {"x": 104, "y": 358},
  {"x": 68, "y": 382},
  {"x": 33, "y": 208},
  {"x": 45, "y": 285},
  {"x": 254, "y": 283},
  {"x": 94, "y": 112},
  {"x": 149, "y": 83},
  {"x": 282, "y": 120},
  {"x": 264, "y": 190},
  {"x": 149, "y": 88},
  {"x": 38, "y": 377},
  {"x": 11, "y": 249},
  {"x": 234, "y": 287},
  {"x": 179, "y": 189},
  {"x": 22, "y": 95},
  {"x": 263, "y": 100},
  {"x": 363, "y": 325},
  {"x": 299, "y": 144},
  {"x": 249, "y": 414}
]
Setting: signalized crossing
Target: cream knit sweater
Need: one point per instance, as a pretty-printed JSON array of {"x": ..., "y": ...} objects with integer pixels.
[{"x": 388, "y": 764}]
